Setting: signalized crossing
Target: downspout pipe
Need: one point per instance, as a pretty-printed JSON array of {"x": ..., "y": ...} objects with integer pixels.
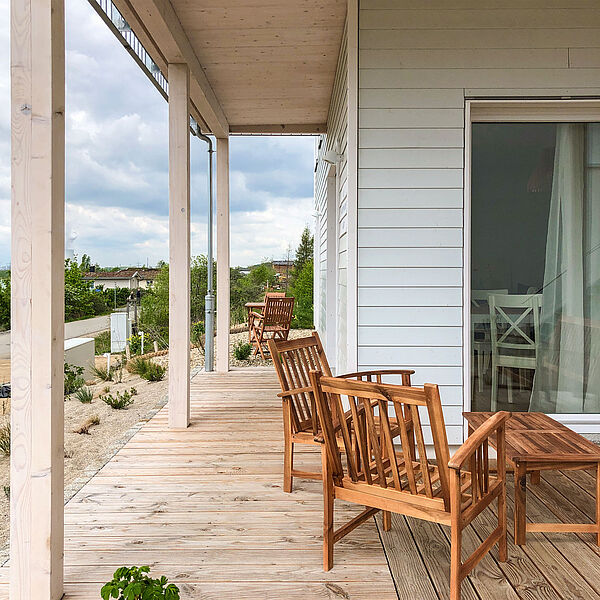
[{"x": 209, "y": 299}]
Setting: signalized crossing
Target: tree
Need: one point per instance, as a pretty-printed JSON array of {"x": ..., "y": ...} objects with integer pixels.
[
  {"x": 5, "y": 303},
  {"x": 303, "y": 293},
  {"x": 305, "y": 250}
]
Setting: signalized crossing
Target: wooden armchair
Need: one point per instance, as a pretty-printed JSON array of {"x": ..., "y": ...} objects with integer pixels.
[
  {"x": 379, "y": 473},
  {"x": 273, "y": 323},
  {"x": 293, "y": 361}
]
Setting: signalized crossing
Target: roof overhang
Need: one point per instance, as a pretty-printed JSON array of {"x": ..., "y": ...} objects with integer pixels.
[{"x": 256, "y": 66}]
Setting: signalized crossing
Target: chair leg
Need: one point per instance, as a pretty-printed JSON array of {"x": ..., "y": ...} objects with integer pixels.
[
  {"x": 288, "y": 462},
  {"x": 502, "y": 542},
  {"x": 387, "y": 520},
  {"x": 455, "y": 562},
  {"x": 328, "y": 499},
  {"x": 479, "y": 371},
  {"x": 509, "y": 383},
  {"x": 494, "y": 405}
]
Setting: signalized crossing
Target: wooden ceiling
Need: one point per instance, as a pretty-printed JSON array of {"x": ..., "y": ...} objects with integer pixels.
[{"x": 268, "y": 65}]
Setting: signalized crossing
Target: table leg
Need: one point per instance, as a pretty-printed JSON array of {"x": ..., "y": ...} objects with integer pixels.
[{"x": 520, "y": 502}]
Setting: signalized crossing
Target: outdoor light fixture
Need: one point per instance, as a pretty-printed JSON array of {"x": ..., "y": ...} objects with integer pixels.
[{"x": 332, "y": 157}]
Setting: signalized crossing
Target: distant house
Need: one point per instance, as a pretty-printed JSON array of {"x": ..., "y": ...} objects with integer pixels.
[
  {"x": 124, "y": 278},
  {"x": 282, "y": 268}
]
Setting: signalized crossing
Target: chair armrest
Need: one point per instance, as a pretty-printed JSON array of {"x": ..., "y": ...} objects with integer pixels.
[
  {"x": 360, "y": 374},
  {"x": 257, "y": 315},
  {"x": 475, "y": 440}
]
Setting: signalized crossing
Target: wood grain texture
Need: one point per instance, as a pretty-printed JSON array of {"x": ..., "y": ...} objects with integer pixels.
[
  {"x": 214, "y": 531},
  {"x": 38, "y": 162},
  {"x": 179, "y": 245}
]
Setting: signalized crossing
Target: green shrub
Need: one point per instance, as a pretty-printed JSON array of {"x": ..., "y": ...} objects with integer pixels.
[
  {"x": 135, "y": 344},
  {"x": 303, "y": 293},
  {"x": 196, "y": 334},
  {"x": 133, "y": 583},
  {"x": 102, "y": 373},
  {"x": 5, "y": 438},
  {"x": 153, "y": 372},
  {"x": 242, "y": 350},
  {"x": 84, "y": 395},
  {"x": 6, "y": 489},
  {"x": 138, "y": 365},
  {"x": 119, "y": 401},
  {"x": 73, "y": 379}
]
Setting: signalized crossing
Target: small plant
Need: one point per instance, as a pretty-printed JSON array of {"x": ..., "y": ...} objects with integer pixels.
[
  {"x": 6, "y": 489},
  {"x": 242, "y": 350},
  {"x": 197, "y": 335},
  {"x": 73, "y": 379},
  {"x": 119, "y": 401},
  {"x": 154, "y": 372},
  {"x": 133, "y": 583},
  {"x": 5, "y": 438},
  {"x": 102, "y": 373},
  {"x": 84, "y": 395},
  {"x": 106, "y": 389},
  {"x": 85, "y": 426},
  {"x": 138, "y": 365},
  {"x": 135, "y": 344},
  {"x": 133, "y": 391}
]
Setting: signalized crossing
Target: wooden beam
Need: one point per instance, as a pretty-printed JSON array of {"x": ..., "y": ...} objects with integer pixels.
[
  {"x": 162, "y": 24},
  {"x": 223, "y": 309},
  {"x": 271, "y": 129},
  {"x": 179, "y": 245},
  {"x": 37, "y": 330}
]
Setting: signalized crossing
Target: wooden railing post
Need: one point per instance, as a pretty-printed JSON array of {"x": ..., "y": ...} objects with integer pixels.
[
  {"x": 37, "y": 327},
  {"x": 179, "y": 246}
]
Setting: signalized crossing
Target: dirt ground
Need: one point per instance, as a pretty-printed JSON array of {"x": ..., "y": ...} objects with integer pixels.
[{"x": 85, "y": 454}]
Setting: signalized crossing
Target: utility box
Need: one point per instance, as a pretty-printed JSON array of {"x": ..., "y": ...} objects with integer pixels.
[
  {"x": 80, "y": 352},
  {"x": 120, "y": 331}
]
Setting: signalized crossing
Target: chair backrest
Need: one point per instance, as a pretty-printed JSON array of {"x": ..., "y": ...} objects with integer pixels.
[
  {"x": 370, "y": 454},
  {"x": 293, "y": 361},
  {"x": 274, "y": 295},
  {"x": 278, "y": 311},
  {"x": 515, "y": 323},
  {"x": 479, "y": 296}
]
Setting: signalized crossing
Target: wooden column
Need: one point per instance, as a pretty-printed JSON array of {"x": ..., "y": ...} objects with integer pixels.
[
  {"x": 179, "y": 245},
  {"x": 37, "y": 328},
  {"x": 223, "y": 309}
]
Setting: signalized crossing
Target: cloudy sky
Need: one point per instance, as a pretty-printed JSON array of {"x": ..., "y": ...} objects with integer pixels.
[{"x": 117, "y": 169}]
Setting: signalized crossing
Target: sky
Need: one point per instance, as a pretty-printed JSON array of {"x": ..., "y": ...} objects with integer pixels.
[{"x": 117, "y": 162}]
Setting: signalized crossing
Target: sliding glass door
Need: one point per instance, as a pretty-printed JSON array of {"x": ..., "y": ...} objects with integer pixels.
[{"x": 535, "y": 267}]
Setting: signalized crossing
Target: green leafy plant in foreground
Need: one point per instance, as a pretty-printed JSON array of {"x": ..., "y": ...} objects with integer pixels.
[
  {"x": 84, "y": 395},
  {"x": 133, "y": 583}
]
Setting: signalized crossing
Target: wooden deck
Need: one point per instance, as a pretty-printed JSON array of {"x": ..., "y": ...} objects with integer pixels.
[
  {"x": 548, "y": 567},
  {"x": 205, "y": 507}
]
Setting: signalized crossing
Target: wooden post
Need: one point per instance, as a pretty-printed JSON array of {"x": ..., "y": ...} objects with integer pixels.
[
  {"x": 179, "y": 245},
  {"x": 37, "y": 329},
  {"x": 223, "y": 310}
]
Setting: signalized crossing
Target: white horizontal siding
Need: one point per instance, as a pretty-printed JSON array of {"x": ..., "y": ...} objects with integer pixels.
[
  {"x": 418, "y": 59},
  {"x": 410, "y": 296},
  {"x": 409, "y": 336}
]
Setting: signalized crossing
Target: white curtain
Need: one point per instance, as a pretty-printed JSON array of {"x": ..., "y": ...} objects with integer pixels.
[{"x": 567, "y": 377}]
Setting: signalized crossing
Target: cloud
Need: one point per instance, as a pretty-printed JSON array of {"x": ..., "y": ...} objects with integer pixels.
[{"x": 117, "y": 161}]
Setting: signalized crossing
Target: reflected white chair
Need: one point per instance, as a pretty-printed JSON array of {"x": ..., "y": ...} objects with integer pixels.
[
  {"x": 482, "y": 347},
  {"x": 514, "y": 331}
]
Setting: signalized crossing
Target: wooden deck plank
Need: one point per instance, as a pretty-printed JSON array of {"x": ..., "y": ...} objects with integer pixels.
[{"x": 205, "y": 507}]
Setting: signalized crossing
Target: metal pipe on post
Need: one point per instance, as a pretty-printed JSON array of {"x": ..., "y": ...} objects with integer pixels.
[{"x": 209, "y": 300}]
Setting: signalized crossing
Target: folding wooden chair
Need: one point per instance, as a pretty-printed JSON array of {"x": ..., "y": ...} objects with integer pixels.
[
  {"x": 380, "y": 475},
  {"x": 273, "y": 323},
  {"x": 293, "y": 360}
]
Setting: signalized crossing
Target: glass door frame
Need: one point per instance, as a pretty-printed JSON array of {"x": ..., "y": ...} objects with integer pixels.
[{"x": 513, "y": 111}]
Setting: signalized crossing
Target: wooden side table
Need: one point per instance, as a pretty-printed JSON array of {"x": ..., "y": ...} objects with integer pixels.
[{"x": 535, "y": 442}]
